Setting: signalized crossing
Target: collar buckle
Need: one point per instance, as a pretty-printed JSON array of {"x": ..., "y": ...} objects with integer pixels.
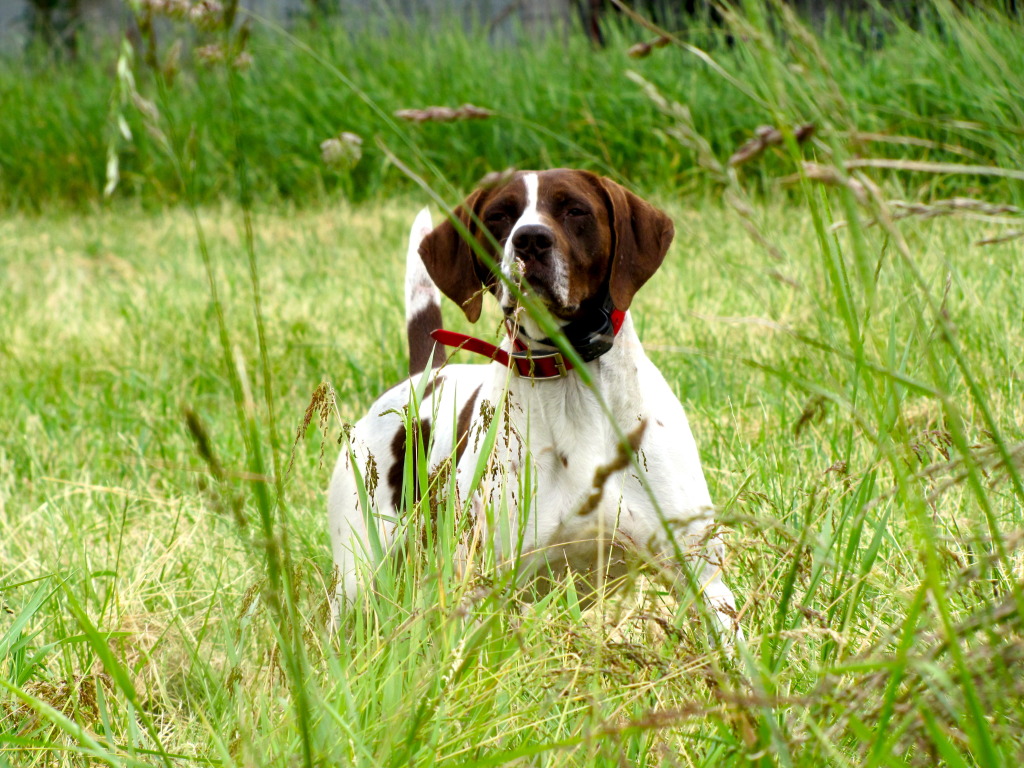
[
  {"x": 547, "y": 365},
  {"x": 560, "y": 364}
]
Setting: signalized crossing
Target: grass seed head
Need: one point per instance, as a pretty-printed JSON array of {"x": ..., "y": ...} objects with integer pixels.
[
  {"x": 207, "y": 15},
  {"x": 444, "y": 114},
  {"x": 342, "y": 152},
  {"x": 210, "y": 55}
]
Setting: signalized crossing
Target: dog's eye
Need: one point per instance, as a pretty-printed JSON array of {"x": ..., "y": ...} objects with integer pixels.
[
  {"x": 496, "y": 218},
  {"x": 576, "y": 212}
]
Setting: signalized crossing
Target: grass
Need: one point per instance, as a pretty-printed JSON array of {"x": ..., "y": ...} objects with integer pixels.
[
  {"x": 950, "y": 88},
  {"x": 110, "y": 520},
  {"x": 853, "y": 380}
]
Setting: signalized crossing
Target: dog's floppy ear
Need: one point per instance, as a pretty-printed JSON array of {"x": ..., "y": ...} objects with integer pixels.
[
  {"x": 642, "y": 235},
  {"x": 451, "y": 261}
]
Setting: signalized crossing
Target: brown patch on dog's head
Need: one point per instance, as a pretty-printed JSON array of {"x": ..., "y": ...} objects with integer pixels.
[
  {"x": 642, "y": 236},
  {"x": 602, "y": 236},
  {"x": 451, "y": 261}
]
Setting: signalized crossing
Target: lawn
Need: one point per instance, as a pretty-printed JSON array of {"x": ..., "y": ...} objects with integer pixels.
[{"x": 135, "y": 627}]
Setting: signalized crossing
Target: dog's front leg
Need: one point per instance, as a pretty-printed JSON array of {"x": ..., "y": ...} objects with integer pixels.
[
  {"x": 716, "y": 593},
  {"x": 700, "y": 568}
]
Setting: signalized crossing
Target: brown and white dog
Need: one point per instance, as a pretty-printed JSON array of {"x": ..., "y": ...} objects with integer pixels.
[{"x": 582, "y": 246}]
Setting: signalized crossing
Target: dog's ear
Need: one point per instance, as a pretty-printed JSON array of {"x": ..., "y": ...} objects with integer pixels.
[
  {"x": 451, "y": 261},
  {"x": 642, "y": 235}
]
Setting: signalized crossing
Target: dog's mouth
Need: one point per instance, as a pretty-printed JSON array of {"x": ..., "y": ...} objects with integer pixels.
[
  {"x": 537, "y": 285},
  {"x": 533, "y": 285},
  {"x": 537, "y": 289}
]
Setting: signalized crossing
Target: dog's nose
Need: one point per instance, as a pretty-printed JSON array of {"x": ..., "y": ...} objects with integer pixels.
[{"x": 533, "y": 241}]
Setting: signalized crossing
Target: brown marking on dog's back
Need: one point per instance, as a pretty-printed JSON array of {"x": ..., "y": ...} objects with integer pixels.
[
  {"x": 462, "y": 425},
  {"x": 397, "y": 470},
  {"x": 398, "y": 451}
]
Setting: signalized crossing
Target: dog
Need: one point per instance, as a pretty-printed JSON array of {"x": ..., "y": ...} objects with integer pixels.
[{"x": 581, "y": 246}]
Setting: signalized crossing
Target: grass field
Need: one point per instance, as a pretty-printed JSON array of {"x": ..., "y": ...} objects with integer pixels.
[
  {"x": 132, "y": 622},
  {"x": 947, "y": 90},
  {"x": 847, "y": 345}
]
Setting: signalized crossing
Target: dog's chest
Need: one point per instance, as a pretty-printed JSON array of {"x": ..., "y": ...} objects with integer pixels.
[{"x": 576, "y": 467}]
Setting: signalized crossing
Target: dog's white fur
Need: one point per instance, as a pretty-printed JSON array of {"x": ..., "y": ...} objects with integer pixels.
[
  {"x": 420, "y": 291},
  {"x": 560, "y": 427}
]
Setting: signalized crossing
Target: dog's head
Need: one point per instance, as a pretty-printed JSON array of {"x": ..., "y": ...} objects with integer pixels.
[{"x": 570, "y": 238}]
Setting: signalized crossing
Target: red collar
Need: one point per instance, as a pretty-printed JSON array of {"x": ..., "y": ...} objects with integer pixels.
[{"x": 526, "y": 362}]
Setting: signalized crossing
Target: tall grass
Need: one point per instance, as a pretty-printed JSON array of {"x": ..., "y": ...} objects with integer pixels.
[
  {"x": 946, "y": 92},
  {"x": 852, "y": 376}
]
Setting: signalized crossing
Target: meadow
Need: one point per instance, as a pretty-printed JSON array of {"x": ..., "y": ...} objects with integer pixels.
[{"x": 839, "y": 314}]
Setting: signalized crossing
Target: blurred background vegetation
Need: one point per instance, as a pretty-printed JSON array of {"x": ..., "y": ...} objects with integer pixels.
[{"x": 554, "y": 75}]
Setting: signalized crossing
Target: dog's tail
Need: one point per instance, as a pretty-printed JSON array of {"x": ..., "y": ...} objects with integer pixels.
[{"x": 422, "y": 301}]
